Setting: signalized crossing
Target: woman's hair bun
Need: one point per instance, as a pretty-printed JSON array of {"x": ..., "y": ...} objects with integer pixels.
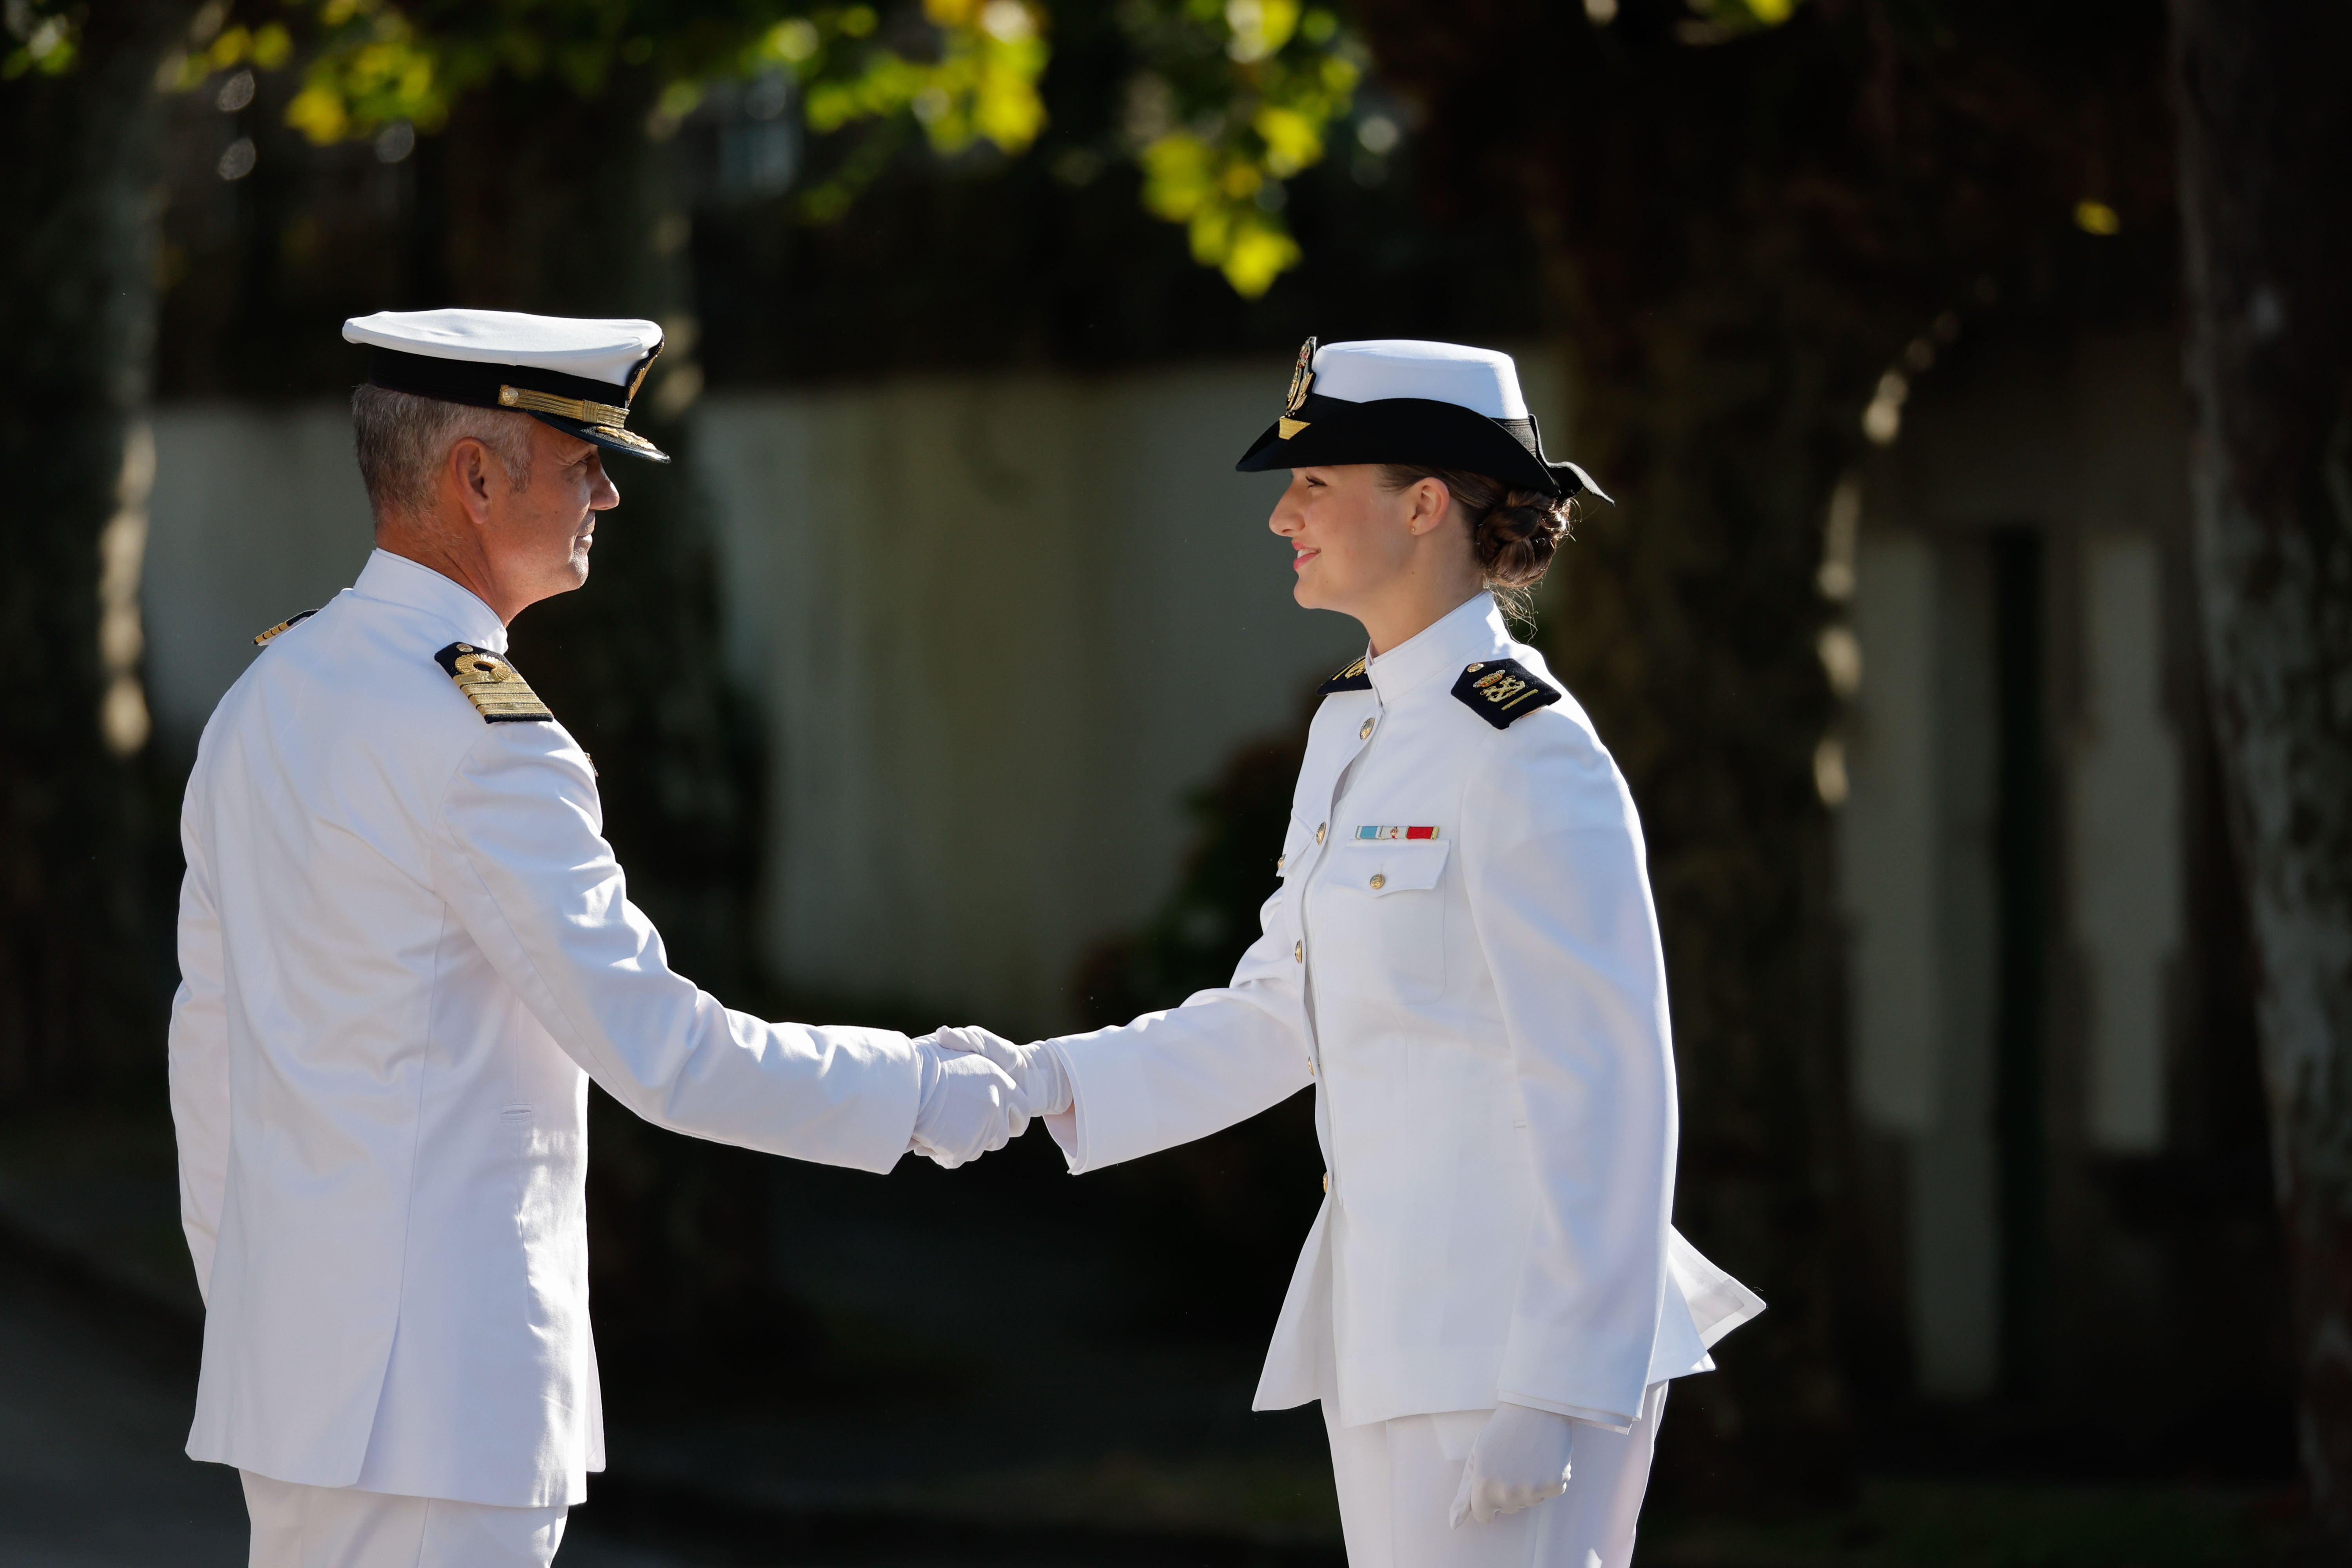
[{"x": 1513, "y": 532}]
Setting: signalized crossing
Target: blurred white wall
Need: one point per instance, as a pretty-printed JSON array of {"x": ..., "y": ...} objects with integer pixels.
[
  {"x": 257, "y": 513},
  {"x": 1001, "y": 626}
]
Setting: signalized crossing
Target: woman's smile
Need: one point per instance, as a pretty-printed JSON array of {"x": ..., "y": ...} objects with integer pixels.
[{"x": 1300, "y": 555}]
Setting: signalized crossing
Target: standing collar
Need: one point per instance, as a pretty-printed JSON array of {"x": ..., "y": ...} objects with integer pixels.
[
  {"x": 397, "y": 580},
  {"x": 1471, "y": 631}
]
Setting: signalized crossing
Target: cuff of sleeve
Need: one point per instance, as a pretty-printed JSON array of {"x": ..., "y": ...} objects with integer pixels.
[
  {"x": 1608, "y": 1420},
  {"x": 1067, "y": 1128}
]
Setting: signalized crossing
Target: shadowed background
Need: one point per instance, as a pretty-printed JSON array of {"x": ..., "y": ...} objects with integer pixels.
[{"x": 951, "y": 675}]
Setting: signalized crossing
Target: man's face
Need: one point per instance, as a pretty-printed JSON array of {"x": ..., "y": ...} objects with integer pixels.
[{"x": 538, "y": 536}]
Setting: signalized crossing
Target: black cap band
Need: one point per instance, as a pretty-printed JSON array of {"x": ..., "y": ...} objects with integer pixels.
[
  {"x": 1422, "y": 431},
  {"x": 601, "y": 415}
]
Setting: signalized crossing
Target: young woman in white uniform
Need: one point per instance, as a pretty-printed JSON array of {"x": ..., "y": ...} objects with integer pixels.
[{"x": 1462, "y": 958}]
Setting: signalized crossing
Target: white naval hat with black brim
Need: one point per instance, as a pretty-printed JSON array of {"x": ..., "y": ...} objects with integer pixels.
[
  {"x": 1401, "y": 400},
  {"x": 576, "y": 373}
]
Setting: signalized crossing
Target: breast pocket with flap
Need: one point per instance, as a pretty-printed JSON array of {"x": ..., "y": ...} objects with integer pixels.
[{"x": 1388, "y": 916}]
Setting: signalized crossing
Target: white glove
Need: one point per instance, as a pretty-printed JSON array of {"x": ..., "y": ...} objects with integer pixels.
[
  {"x": 969, "y": 1107},
  {"x": 1036, "y": 1069},
  {"x": 1519, "y": 1460}
]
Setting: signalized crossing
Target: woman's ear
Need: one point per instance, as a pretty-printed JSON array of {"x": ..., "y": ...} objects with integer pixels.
[{"x": 1429, "y": 502}]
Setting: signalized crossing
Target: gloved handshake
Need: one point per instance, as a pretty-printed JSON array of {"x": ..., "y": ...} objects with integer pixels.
[{"x": 980, "y": 1091}]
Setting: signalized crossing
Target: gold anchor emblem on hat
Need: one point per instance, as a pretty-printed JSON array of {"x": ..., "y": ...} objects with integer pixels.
[{"x": 1300, "y": 380}]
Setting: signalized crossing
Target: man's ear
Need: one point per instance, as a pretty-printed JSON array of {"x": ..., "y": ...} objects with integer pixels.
[{"x": 469, "y": 470}]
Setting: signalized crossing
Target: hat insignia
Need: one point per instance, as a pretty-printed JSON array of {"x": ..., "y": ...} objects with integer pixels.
[
  {"x": 1301, "y": 380},
  {"x": 638, "y": 380}
]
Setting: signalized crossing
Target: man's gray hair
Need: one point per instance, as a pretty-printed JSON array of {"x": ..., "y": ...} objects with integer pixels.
[{"x": 403, "y": 440}]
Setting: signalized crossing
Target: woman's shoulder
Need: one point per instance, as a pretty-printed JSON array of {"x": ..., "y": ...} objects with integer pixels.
[
  {"x": 1531, "y": 708},
  {"x": 1548, "y": 748}
]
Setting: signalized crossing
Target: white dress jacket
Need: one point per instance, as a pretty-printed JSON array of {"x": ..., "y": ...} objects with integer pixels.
[
  {"x": 1476, "y": 991},
  {"x": 405, "y": 949}
]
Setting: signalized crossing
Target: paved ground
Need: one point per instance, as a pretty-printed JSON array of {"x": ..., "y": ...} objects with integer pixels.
[
  {"x": 93, "y": 1409},
  {"x": 94, "y": 1404},
  {"x": 1059, "y": 1447}
]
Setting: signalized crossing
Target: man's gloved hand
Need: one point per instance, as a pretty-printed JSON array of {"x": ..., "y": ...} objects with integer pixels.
[
  {"x": 969, "y": 1107},
  {"x": 1036, "y": 1069},
  {"x": 1519, "y": 1460}
]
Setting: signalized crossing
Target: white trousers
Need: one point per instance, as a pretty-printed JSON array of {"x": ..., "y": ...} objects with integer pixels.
[
  {"x": 338, "y": 1527},
  {"x": 1397, "y": 1480}
]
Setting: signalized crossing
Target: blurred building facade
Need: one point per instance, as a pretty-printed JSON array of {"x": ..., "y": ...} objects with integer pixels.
[
  {"x": 998, "y": 605},
  {"x": 998, "y": 627},
  {"x": 2051, "y": 1050}
]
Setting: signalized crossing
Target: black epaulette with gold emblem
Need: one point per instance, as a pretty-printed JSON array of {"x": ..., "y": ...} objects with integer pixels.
[
  {"x": 495, "y": 689},
  {"x": 282, "y": 627},
  {"x": 1502, "y": 690},
  {"x": 1351, "y": 679}
]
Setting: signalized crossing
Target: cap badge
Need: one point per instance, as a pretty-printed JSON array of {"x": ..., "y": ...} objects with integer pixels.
[
  {"x": 644, "y": 365},
  {"x": 1301, "y": 380}
]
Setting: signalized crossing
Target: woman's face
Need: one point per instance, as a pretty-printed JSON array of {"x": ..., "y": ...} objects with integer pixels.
[{"x": 1351, "y": 538}]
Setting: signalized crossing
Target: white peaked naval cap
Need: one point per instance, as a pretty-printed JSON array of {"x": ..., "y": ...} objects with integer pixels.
[
  {"x": 1406, "y": 401},
  {"x": 579, "y": 374},
  {"x": 1484, "y": 381}
]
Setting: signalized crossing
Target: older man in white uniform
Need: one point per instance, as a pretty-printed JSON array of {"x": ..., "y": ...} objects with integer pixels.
[{"x": 406, "y": 949}]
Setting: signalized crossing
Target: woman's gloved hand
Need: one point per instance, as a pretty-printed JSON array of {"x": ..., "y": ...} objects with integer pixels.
[
  {"x": 969, "y": 1107},
  {"x": 1519, "y": 1460},
  {"x": 1036, "y": 1069}
]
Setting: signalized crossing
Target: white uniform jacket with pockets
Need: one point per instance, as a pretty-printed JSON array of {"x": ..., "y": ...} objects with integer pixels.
[
  {"x": 405, "y": 949},
  {"x": 1462, "y": 958}
]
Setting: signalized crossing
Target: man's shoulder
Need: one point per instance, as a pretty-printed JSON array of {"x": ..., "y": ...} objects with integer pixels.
[{"x": 361, "y": 677}]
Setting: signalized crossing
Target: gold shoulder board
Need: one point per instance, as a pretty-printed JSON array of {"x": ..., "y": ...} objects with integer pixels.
[
  {"x": 495, "y": 689},
  {"x": 282, "y": 627},
  {"x": 1352, "y": 678}
]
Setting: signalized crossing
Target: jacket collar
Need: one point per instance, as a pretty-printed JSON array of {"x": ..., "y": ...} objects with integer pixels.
[
  {"x": 1471, "y": 631},
  {"x": 397, "y": 580}
]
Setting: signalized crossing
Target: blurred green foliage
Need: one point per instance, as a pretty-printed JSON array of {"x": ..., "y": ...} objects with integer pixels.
[
  {"x": 1228, "y": 98},
  {"x": 45, "y": 38},
  {"x": 1234, "y": 97}
]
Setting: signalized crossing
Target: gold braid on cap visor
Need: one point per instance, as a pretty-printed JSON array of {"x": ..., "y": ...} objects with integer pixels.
[{"x": 577, "y": 408}]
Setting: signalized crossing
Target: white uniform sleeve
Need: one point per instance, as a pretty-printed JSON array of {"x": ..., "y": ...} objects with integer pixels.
[
  {"x": 521, "y": 856},
  {"x": 1561, "y": 900},
  {"x": 1168, "y": 1078},
  {"x": 197, "y": 1053}
]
